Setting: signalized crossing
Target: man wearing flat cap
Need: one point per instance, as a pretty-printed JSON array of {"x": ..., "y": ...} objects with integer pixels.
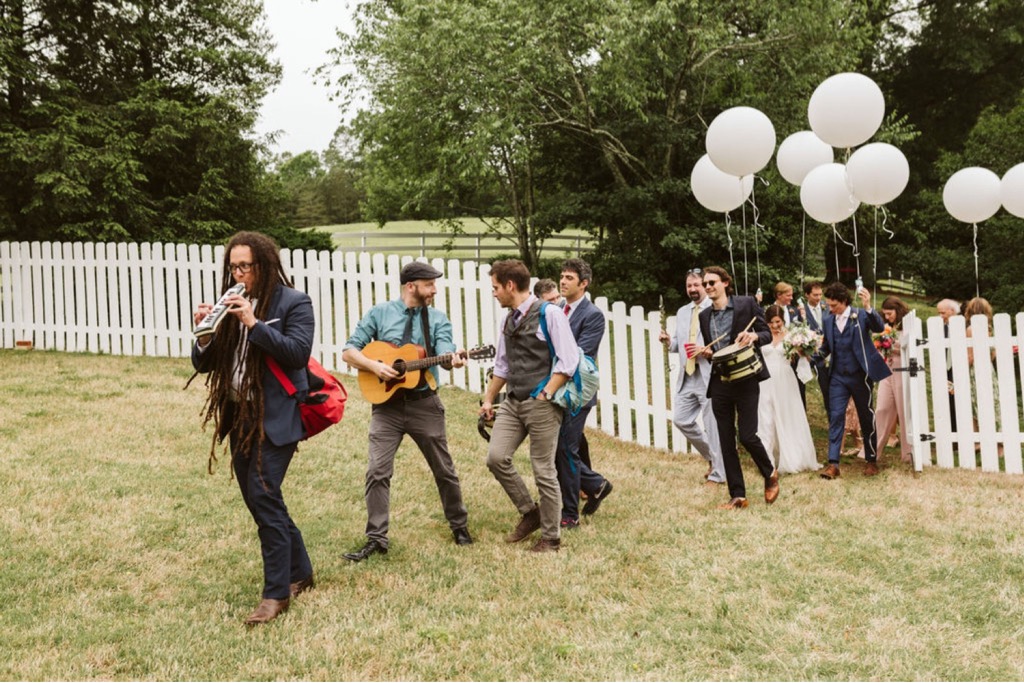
[{"x": 417, "y": 412}]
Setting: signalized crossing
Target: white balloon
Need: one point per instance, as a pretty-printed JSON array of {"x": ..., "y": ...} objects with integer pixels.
[
  {"x": 846, "y": 109},
  {"x": 827, "y": 195},
  {"x": 740, "y": 141},
  {"x": 799, "y": 153},
  {"x": 972, "y": 195},
  {"x": 718, "y": 191},
  {"x": 1011, "y": 190},
  {"x": 879, "y": 173}
]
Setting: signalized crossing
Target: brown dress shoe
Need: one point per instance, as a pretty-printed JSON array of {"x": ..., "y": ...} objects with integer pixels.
[
  {"x": 871, "y": 469},
  {"x": 708, "y": 473},
  {"x": 771, "y": 488},
  {"x": 301, "y": 586},
  {"x": 546, "y": 545},
  {"x": 830, "y": 472},
  {"x": 268, "y": 610},
  {"x": 735, "y": 504},
  {"x": 528, "y": 523}
]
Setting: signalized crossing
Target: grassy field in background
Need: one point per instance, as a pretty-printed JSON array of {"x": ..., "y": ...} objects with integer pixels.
[{"x": 122, "y": 559}]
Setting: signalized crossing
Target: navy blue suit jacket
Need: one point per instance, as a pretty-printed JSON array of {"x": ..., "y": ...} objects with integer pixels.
[
  {"x": 286, "y": 336},
  {"x": 868, "y": 358},
  {"x": 588, "y": 324}
]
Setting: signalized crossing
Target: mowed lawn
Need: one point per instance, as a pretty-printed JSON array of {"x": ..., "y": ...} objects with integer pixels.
[{"x": 121, "y": 558}]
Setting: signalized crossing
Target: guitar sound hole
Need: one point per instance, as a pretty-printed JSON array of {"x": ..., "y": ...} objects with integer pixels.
[{"x": 399, "y": 367}]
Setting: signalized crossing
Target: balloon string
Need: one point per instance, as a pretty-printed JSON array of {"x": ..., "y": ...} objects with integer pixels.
[
  {"x": 746, "y": 268},
  {"x": 728, "y": 234},
  {"x": 856, "y": 245},
  {"x": 803, "y": 248},
  {"x": 977, "y": 289},
  {"x": 874, "y": 261},
  {"x": 757, "y": 224},
  {"x": 885, "y": 217}
]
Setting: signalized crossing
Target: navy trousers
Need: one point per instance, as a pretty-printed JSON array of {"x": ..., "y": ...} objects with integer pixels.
[
  {"x": 285, "y": 560},
  {"x": 840, "y": 389},
  {"x": 573, "y": 473}
]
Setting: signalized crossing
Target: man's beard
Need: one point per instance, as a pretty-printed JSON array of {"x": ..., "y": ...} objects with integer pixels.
[{"x": 694, "y": 296}]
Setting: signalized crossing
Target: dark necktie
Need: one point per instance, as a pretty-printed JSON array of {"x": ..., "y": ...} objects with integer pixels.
[
  {"x": 407, "y": 334},
  {"x": 567, "y": 309}
]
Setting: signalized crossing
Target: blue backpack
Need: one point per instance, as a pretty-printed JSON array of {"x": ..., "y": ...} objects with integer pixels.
[{"x": 583, "y": 384}]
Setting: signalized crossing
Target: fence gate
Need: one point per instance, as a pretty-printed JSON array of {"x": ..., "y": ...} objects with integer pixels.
[{"x": 915, "y": 392}]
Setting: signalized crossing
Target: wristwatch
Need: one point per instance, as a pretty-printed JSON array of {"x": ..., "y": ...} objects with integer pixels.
[{"x": 545, "y": 394}]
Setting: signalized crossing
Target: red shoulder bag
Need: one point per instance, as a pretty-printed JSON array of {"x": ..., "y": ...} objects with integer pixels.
[{"x": 325, "y": 402}]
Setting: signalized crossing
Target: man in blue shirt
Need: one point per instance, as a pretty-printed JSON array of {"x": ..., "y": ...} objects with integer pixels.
[{"x": 417, "y": 412}]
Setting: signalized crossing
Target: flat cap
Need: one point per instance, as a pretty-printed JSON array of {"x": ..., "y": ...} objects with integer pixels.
[{"x": 417, "y": 270}]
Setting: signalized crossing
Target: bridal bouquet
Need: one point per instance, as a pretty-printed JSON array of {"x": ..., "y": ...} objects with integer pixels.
[
  {"x": 800, "y": 340},
  {"x": 885, "y": 341}
]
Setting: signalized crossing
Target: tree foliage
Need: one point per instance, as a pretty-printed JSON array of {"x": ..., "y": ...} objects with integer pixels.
[{"x": 132, "y": 119}]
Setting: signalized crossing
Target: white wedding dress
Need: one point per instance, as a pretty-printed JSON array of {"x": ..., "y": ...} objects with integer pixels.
[{"x": 781, "y": 418}]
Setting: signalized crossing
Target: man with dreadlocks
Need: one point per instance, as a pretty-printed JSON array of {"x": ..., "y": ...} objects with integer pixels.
[
  {"x": 249, "y": 406},
  {"x": 418, "y": 412}
]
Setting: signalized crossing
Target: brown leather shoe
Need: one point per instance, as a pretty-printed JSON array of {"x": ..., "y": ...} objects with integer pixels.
[
  {"x": 870, "y": 469},
  {"x": 708, "y": 473},
  {"x": 546, "y": 545},
  {"x": 302, "y": 586},
  {"x": 830, "y": 472},
  {"x": 713, "y": 484},
  {"x": 771, "y": 488},
  {"x": 528, "y": 523},
  {"x": 735, "y": 504},
  {"x": 268, "y": 610}
]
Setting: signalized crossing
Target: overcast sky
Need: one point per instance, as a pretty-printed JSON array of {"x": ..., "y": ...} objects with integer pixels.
[{"x": 303, "y": 30}]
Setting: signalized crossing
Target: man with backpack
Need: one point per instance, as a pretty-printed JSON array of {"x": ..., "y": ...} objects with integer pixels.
[{"x": 587, "y": 323}]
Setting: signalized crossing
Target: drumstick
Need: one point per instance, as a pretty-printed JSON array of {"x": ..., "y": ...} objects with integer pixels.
[{"x": 697, "y": 350}]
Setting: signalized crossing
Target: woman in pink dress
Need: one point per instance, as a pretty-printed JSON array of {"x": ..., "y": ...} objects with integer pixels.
[{"x": 889, "y": 408}]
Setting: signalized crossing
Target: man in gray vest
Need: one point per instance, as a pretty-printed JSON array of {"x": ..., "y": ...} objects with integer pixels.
[
  {"x": 523, "y": 367},
  {"x": 692, "y": 411}
]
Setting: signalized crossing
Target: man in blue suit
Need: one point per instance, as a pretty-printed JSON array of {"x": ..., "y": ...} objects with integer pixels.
[
  {"x": 587, "y": 323},
  {"x": 817, "y": 316},
  {"x": 854, "y": 364}
]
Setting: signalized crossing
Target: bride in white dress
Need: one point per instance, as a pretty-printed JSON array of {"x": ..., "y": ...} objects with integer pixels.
[{"x": 781, "y": 418}]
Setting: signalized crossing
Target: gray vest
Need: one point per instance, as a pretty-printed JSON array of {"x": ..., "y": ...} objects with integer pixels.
[{"x": 529, "y": 360}]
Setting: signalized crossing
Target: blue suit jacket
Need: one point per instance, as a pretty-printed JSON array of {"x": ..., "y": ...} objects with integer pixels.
[
  {"x": 287, "y": 336},
  {"x": 588, "y": 324},
  {"x": 868, "y": 358}
]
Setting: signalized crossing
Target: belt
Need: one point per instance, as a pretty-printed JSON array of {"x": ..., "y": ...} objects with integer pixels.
[{"x": 409, "y": 395}]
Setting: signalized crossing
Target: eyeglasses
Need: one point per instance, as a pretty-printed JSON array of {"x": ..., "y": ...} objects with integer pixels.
[
  {"x": 710, "y": 283},
  {"x": 694, "y": 271},
  {"x": 242, "y": 268}
]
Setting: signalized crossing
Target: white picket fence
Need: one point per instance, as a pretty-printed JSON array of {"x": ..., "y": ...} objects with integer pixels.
[{"x": 137, "y": 299}]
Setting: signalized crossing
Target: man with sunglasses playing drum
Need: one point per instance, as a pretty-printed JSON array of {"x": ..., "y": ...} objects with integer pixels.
[{"x": 738, "y": 322}]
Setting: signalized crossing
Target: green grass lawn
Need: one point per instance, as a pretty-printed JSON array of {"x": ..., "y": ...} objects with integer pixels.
[{"x": 122, "y": 559}]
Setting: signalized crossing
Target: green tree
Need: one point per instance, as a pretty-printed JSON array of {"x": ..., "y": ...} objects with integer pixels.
[{"x": 133, "y": 119}]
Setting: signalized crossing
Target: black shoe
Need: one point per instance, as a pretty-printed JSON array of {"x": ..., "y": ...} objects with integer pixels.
[
  {"x": 594, "y": 501},
  {"x": 371, "y": 548},
  {"x": 568, "y": 523},
  {"x": 462, "y": 536}
]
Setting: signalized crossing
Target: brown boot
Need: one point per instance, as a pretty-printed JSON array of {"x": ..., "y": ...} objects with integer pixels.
[
  {"x": 268, "y": 610},
  {"x": 528, "y": 523},
  {"x": 546, "y": 545}
]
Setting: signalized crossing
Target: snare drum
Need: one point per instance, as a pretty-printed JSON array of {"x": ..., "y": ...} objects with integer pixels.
[{"x": 736, "y": 362}]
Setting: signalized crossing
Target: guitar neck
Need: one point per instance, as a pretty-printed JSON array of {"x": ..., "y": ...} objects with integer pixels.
[{"x": 428, "y": 362}]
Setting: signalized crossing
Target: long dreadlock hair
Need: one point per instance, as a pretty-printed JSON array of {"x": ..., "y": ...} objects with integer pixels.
[{"x": 247, "y": 416}]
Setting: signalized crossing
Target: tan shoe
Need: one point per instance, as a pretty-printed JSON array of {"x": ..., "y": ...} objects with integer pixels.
[
  {"x": 771, "y": 488},
  {"x": 735, "y": 504},
  {"x": 830, "y": 472},
  {"x": 546, "y": 545},
  {"x": 871, "y": 469},
  {"x": 268, "y": 610},
  {"x": 301, "y": 586}
]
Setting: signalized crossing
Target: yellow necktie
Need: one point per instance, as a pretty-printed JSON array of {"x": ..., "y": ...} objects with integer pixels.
[{"x": 691, "y": 363}]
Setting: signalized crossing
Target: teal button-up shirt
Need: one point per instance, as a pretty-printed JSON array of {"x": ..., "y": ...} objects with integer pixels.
[{"x": 386, "y": 322}]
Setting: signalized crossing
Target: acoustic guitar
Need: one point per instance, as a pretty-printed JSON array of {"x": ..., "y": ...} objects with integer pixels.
[{"x": 409, "y": 361}]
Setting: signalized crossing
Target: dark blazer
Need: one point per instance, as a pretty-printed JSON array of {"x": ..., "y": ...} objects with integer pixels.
[
  {"x": 868, "y": 358},
  {"x": 744, "y": 308},
  {"x": 287, "y": 336},
  {"x": 587, "y": 323}
]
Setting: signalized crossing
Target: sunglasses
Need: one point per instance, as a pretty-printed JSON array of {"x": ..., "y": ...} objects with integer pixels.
[
  {"x": 694, "y": 271},
  {"x": 710, "y": 283}
]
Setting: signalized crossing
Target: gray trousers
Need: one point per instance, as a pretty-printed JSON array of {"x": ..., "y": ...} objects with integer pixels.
[
  {"x": 423, "y": 420},
  {"x": 541, "y": 421},
  {"x": 693, "y": 417}
]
